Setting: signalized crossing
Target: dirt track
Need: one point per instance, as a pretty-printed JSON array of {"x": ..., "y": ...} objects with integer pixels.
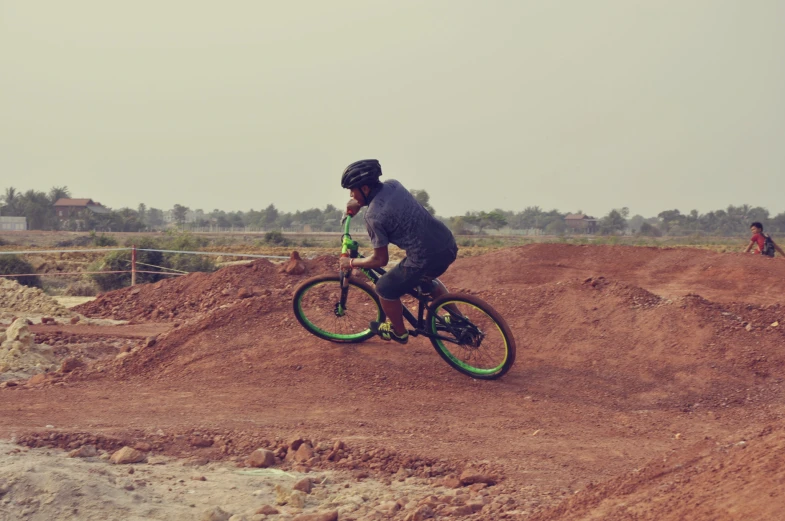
[
  {"x": 662, "y": 354},
  {"x": 121, "y": 331}
]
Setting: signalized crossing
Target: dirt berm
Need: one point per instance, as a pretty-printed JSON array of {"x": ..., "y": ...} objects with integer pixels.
[{"x": 626, "y": 356}]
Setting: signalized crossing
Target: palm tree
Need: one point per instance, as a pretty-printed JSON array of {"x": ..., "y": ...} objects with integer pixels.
[
  {"x": 59, "y": 192},
  {"x": 11, "y": 201},
  {"x": 38, "y": 209}
]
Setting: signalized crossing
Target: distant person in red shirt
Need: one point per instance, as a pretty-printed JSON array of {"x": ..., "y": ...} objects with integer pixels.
[{"x": 766, "y": 246}]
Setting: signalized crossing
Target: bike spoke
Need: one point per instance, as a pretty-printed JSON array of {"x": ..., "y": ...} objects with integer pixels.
[
  {"x": 481, "y": 346},
  {"x": 319, "y": 305}
]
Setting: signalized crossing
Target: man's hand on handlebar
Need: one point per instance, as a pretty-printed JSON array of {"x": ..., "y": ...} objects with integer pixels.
[
  {"x": 344, "y": 264},
  {"x": 352, "y": 207}
]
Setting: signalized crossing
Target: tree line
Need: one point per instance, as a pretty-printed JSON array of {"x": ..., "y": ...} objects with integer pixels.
[{"x": 38, "y": 208}]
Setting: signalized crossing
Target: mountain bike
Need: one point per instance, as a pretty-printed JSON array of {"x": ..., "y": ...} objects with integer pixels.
[{"x": 466, "y": 331}]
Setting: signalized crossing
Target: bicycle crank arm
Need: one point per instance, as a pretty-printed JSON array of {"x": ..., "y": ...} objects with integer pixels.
[{"x": 417, "y": 332}]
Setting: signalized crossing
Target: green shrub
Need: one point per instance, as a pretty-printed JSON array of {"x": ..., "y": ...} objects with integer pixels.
[
  {"x": 275, "y": 237},
  {"x": 151, "y": 261},
  {"x": 183, "y": 241},
  {"x": 185, "y": 261},
  {"x": 189, "y": 262},
  {"x": 121, "y": 261},
  {"x": 557, "y": 227},
  {"x": 11, "y": 264},
  {"x": 650, "y": 230},
  {"x": 114, "y": 261},
  {"x": 102, "y": 240}
]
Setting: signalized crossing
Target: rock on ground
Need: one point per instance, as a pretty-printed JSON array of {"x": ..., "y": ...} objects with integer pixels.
[
  {"x": 19, "y": 353},
  {"x": 261, "y": 458},
  {"x": 85, "y": 451},
  {"x": 216, "y": 514},
  {"x": 319, "y": 516},
  {"x": 127, "y": 455},
  {"x": 295, "y": 265},
  {"x": 471, "y": 476},
  {"x": 304, "y": 485}
]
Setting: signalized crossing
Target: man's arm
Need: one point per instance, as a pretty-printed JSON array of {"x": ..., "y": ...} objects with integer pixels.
[
  {"x": 777, "y": 247},
  {"x": 379, "y": 259},
  {"x": 749, "y": 246}
]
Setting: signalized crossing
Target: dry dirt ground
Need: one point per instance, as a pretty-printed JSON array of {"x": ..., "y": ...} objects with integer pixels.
[{"x": 648, "y": 385}]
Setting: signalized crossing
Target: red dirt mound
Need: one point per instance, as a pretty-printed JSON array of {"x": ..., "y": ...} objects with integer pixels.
[
  {"x": 198, "y": 293},
  {"x": 739, "y": 480},
  {"x": 597, "y": 341},
  {"x": 667, "y": 272},
  {"x": 626, "y": 342},
  {"x": 612, "y": 339}
]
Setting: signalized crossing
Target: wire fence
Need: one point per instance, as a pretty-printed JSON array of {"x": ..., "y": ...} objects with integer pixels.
[{"x": 133, "y": 271}]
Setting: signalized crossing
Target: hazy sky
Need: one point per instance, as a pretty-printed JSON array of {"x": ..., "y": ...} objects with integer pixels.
[{"x": 568, "y": 104}]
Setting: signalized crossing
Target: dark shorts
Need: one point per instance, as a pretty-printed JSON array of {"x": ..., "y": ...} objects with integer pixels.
[{"x": 402, "y": 278}]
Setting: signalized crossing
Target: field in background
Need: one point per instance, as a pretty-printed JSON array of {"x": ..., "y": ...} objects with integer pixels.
[
  {"x": 50, "y": 263},
  {"x": 255, "y": 242}
]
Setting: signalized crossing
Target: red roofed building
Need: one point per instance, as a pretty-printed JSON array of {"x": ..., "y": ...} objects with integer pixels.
[
  {"x": 581, "y": 223},
  {"x": 70, "y": 208}
]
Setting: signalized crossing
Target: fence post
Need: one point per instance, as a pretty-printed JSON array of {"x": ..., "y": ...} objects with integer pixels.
[{"x": 133, "y": 265}]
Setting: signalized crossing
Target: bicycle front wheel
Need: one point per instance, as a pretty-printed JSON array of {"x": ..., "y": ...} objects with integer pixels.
[
  {"x": 317, "y": 306},
  {"x": 471, "y": 336}
]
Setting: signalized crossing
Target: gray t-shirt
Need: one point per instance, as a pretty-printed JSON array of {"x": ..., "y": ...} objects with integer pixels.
[{"x": 395, "y": 217}]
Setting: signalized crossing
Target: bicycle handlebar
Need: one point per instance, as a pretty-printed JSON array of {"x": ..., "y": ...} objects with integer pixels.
[{"x": 347, "y": 244}]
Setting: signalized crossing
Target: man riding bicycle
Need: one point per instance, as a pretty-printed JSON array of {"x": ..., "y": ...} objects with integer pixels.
[{"x": 395, "y": 217}]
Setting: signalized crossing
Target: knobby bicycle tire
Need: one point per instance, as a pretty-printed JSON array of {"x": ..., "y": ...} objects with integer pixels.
[
  {"x": 493, "y": 366},
  {"x": 316, "y": 311}
]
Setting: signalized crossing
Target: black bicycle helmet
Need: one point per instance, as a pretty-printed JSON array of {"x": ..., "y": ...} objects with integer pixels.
[{"x": 363, "y": 172}]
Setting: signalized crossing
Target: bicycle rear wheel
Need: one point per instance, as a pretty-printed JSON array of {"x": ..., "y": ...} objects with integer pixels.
[
  {"x": 476, "y": 339},
  {"x": 317, "y": 307}
]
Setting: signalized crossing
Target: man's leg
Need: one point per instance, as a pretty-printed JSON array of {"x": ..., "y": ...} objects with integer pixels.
[
  {"x": 390, "y": 288},
  {"x": 394, "y": 311},
  {"x": 439, "y": 289}
]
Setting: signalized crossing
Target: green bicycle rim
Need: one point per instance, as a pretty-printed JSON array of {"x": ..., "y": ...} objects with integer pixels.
[
  {"x": 335, "y": 336},
  {"x": 461, "y": 363}
]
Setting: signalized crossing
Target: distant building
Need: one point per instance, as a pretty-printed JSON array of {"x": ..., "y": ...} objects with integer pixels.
[
  {"x": 66, "y": 209},
  {"x": 581, "y": 223},
  {"x": 14, "y": 224}
]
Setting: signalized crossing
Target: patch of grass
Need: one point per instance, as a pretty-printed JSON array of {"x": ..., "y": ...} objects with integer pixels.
[
  {"x": 81, "y": 288},
  {"x": 102, "y": 240},
  {"x": 223, "y": 241},
  {"x": 12, "y": 264}
]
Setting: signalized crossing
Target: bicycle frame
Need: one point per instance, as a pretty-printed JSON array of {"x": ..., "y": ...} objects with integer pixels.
[{"x": 350, "y": 248}]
